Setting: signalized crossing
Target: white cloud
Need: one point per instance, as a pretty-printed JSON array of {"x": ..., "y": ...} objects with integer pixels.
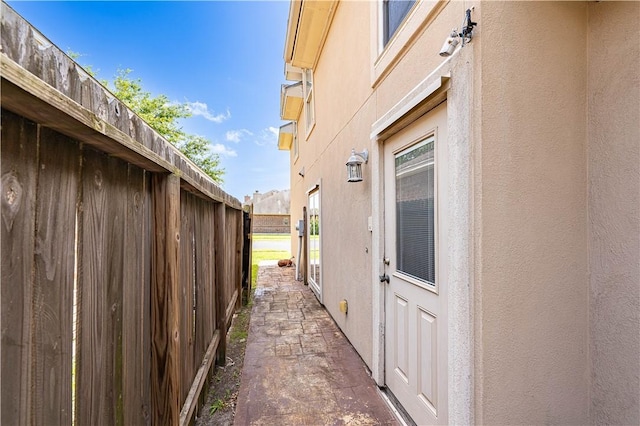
[
  {"x": 268, "y": 136},
  {"x": 200, "y": 108},
  {"x": 236, "y": 135},
  {"x": 219, "y": 148}
]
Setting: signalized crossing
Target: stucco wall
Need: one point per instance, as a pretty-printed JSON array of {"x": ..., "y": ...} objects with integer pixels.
[
  {"x": 614, "y": 211},
  {"x": 420, "y": 59},
  {"x": 343, "y": 117},
  {"x": 545, "y": 164},
  {"x": 346, "y": 107},
  {"x": 530, "y": 210},
  {"x": 344, "y": 113}
]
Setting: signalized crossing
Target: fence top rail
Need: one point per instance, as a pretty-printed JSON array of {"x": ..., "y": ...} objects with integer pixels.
[{"x": 43, "y": 84}]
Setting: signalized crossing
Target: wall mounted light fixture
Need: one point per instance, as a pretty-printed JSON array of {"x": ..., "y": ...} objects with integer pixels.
[
  {"x": 450, "y": 44},
  {"x": 354, "y": 165}
]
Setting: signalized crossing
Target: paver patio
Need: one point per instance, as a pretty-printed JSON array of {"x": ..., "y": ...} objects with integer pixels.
[{"x": 299, "y": 369}]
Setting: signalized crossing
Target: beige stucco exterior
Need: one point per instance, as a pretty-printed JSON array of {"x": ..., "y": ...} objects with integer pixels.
[
  {"x": 614, "y": 207},
  {"x": 544, "y": 150},
  {"x": 531, "y": 320}
]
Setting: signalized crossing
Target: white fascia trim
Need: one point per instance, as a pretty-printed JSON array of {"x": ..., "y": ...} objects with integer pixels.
[
  {"x": 292, "y": 73},
  {"x": 292, "y": 90},
  {"x": 287, "y": 128}
]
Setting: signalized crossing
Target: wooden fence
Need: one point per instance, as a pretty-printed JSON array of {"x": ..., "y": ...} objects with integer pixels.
[{"x": 121, "y": 261}]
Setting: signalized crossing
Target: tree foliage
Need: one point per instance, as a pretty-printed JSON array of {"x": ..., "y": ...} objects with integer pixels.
[
  {"x": 158, "y": 111},
  {"x": 197, "y": 149},
  {"x": 163, "y": 116}
]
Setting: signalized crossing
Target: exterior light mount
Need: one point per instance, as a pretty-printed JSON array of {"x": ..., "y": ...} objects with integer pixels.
[
  {"x": 465, "y": 35},
  {"x": 354, "y": 165},
  {"x": 467, "y": 28}
]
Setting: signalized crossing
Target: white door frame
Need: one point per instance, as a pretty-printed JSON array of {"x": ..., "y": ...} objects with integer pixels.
[
  {"x": 429, "y": 93},
  {"x": 316, "y": 287}
]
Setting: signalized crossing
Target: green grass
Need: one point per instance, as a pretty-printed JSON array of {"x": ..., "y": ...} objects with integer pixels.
[
  {"x": 218, "y": 404},
  {"x": 254, "y": 275},
  {"x": 271, "y": 237},
  {"x": 259, "y": 255},
  {"x": 241, "y": 324}
]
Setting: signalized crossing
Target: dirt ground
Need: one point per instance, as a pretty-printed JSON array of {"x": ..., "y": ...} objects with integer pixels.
[{"x": 220, "y": 405}]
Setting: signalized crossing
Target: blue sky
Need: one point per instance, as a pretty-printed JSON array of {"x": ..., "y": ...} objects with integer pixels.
[{"x": 223, "y": 57}]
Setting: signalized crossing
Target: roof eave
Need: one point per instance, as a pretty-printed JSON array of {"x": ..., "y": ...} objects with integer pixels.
[
  {"x": 285, "y": 136},
  {"x": 309, "y": 22}
]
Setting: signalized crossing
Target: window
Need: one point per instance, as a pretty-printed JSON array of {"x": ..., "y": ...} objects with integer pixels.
[
  {"x": 394, "y": 12},
  {"x": 314, "y": 239},
  {"x": 295, "y": 141},
  {"x": 415, "y": 211},
  {"x": 309, "y": 110},
  {"x": 398, "y": 23}
]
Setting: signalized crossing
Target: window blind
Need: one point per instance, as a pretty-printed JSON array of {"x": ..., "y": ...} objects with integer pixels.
[{"x": 415, "y": 212}]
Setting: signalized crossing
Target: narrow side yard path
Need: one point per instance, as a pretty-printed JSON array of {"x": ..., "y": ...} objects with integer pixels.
[{"x": 299, "y": 369}]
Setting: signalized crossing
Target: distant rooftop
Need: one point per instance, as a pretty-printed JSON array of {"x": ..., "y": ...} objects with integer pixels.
[{"x": 271, "y": 202}]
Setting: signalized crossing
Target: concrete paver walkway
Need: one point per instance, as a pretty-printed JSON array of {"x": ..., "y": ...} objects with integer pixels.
[{"x": 299, "y": 369}]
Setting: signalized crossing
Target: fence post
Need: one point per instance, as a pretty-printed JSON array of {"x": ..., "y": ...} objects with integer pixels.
[
  {"x": 221, "y": 277},
  {"x": 165, "y": 308}
]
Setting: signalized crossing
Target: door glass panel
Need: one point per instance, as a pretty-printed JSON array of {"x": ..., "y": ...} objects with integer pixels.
[
  {"x": 415, "y": 211},
  {"x": 314, "y": 237}
]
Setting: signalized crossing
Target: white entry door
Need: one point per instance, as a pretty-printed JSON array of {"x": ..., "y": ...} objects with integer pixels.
[{"x": 415, "y": 164}]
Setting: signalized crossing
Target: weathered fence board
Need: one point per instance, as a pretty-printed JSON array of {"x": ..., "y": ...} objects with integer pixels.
[
  {"x": 246, "y": 253},
  {"x": 99, "y": 387},
  {"x": 197, "y": 275},
  {"x": 57, "y": 194},
  {"x": 19, "y": 168},
  {"x": 187, "y": 278},
  {"x": 232, "y": 293},
  {"x": 120, "y": 259},
  {"x": 220, "y": 261},
  {"x": 205, "y": 277},
  {"x": 165, "y": 301},
  {"x": 136, "y": 296},
  {"x": 238, "y": 261}
]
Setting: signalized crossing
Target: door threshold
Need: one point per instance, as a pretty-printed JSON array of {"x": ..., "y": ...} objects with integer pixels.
[{"x": 396, "y": 408}]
